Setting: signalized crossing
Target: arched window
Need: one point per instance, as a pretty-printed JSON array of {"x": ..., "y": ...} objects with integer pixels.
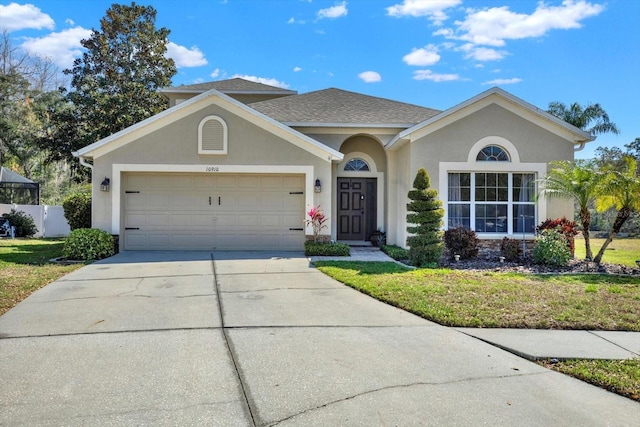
[
  {"x": 358, "y": 165},
  {"x": 492, "y": 153},
  {"x": 212, "y": 136}
]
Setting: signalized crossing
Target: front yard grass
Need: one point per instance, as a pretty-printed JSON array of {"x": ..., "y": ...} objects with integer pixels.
[
  {"x": 499, "y": 300},
  {"x": 25, "y": 268},
  {"x": 622, "y": 251}
]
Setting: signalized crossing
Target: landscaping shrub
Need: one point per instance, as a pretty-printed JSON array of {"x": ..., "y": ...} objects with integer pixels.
[
  {"x": 461, "y": 241},
  {"x": 395, "y": 252},
  {"x": 23, "y": 222},
  {"x": 425, "y": 218},
  {"x": 568, "y": 228},
  {"x": 312, "y": 248},
  {"x": 77, "y": 210},
  {"x": 88, "y": 244},
  {"x": 510, "y": 249},
  {"x": 551, "y": 248}
]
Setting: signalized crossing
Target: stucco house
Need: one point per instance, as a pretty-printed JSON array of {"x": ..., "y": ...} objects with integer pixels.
[{"x": 235, "y": 164}]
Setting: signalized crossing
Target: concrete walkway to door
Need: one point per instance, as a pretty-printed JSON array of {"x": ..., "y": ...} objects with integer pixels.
[{"x": 167, "y": 338}]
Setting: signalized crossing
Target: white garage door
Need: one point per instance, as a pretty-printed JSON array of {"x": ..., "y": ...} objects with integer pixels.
[{"x": 171, "y": 211}]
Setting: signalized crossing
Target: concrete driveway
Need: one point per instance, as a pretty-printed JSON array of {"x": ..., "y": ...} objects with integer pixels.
[{"x": 166, "y": 338}]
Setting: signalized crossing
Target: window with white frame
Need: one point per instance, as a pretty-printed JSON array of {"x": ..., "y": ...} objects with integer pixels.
[
  {"x": 212, "y": 136},
  {"x": 492, "y": 202},
  {"x": 356, "y": 165}
]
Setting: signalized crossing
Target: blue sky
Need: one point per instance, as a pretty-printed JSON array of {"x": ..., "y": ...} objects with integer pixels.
[{"x": 434, "y": 53}]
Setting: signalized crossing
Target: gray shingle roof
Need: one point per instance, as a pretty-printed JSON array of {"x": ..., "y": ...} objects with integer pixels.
[
  {"x": 235, "y": 85},
  {"x": 336, "y": 106}
]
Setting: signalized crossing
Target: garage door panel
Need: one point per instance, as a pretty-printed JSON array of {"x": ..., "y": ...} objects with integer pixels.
[
  {"x": 211, "y": 211},
  {"x": 158, "y": 220}
]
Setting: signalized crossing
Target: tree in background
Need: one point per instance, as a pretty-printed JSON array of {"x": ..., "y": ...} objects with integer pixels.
[
  {"x": 577, "y": 180},
  {"x": 425, "y": 213},
  {"x": 115, "y": 83},
  {"x": 621, "y": 190},
  {"x": 28, "y": 94},
  {"x": 592, "y": 118}
]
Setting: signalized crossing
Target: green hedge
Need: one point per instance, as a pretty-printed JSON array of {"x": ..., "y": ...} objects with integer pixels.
[
  {"x": 77, "y": 210},
  {"x": 23, "y": 222},
  {"x": 326, "y": 249},
  {"x": 88, "y": 244},
  {"x": 396, "y": 252}
]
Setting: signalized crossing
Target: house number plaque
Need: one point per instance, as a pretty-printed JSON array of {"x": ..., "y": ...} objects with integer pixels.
[{"x": 212, "y": 169}]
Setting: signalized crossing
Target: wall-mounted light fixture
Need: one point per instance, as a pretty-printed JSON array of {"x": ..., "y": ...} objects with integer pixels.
[
  {"x": 318, "y": 186},
  {"x": 104, "y": 185}
]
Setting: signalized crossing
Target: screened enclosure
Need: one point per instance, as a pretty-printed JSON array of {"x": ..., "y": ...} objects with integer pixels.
[{"x": 16, "y": 189}]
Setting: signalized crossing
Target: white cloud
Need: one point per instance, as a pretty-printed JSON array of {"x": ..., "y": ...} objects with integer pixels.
[
  {"x": 496, "y": 82},
  {"x": 492, "y": 26},
  {"x": 62, "y": 48},
  {"x": 263, "y": 80},
  {"x": 185, "y": 57},
  {"x": 430, "y": 75},
  {"x": 432, "y": 9},
  {"x": 215, "y": 73},
  {"x": 337, "y": 11},
  {"x": 69, "y": 22},
  {"x": 297, "y": 69},
  {"x": 370, "y": 77},
  {"x": 483, "y": 53},
  {"x": 291, "y": 21},
  {"x": 422, "y": 57},
  {"x": 16, "y": 16}
]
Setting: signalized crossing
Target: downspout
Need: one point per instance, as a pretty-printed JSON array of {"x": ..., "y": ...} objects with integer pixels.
[
  {"x": 84, "y": 163},
  {"x": 579, "y": 147}
]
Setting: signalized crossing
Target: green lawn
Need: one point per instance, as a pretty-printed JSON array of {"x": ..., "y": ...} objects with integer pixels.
[
  {"x": 25, "y": 268},
  {"x": 499, "y": 300},
  {"x": 620, "y": 251}
]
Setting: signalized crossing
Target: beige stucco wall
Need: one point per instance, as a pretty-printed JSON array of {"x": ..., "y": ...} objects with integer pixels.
[
  {"x": 177, "y": 144},
  {"x": 452, "y": 143}
]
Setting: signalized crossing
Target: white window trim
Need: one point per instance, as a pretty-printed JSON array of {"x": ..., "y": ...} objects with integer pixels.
[
  {"x": 503, "y": 143},
  {"x": 118, "y": 169},
  {"x": 225, "y": 136},
  {"x": 509, "y": 167}
]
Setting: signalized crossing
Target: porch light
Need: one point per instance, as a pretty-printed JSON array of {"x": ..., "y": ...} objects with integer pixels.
[
  {"x": 104, "y": 185},
  {"x": 318, "y": 187}
]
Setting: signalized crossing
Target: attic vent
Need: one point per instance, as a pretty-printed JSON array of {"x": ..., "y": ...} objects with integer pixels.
[{"x": 212, "y": 136}]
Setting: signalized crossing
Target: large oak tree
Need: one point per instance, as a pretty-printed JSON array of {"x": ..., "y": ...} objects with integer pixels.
[{"x": 116, "y": 80}]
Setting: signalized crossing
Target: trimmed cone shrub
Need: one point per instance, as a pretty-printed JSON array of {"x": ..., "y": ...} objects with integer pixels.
[
  {"x": 23, "y": 222},
  {"x": 461, "y": 241},
  {"x": 88, "y": 244},
  {"x": 77, "y": 210},
  {"x": 425, "y": 213}
]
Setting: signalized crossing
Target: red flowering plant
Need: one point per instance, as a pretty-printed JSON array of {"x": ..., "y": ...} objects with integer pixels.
[{"x": 317, "y": 220}]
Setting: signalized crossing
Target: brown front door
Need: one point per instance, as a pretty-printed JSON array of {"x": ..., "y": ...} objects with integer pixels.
[{"x": 356, "y": 208}]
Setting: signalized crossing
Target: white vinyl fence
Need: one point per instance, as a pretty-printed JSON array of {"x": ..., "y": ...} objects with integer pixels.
[{"x": 49, "y": 220}]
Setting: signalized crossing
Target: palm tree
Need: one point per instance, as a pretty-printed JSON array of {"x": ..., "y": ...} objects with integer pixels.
[
  {"x": 583, "y": 117},
  {"x": 620, "y": 189},
  {"x": 577, "y": 180}
]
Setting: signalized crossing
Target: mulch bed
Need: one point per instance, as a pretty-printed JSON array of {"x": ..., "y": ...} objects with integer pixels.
[{"x": 575, "y": 266}]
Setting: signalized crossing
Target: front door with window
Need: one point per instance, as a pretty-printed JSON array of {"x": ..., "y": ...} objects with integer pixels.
[{"x": 356, "y": 208}]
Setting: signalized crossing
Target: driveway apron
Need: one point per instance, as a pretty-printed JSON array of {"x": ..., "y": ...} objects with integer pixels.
[{"x": 166, "y": 338}]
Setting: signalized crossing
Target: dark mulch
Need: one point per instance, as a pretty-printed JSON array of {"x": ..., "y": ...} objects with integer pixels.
[{"x": 526, "y": 266}]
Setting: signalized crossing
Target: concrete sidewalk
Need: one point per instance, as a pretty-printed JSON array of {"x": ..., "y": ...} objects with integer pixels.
[{"x": 254, "y": 339}]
